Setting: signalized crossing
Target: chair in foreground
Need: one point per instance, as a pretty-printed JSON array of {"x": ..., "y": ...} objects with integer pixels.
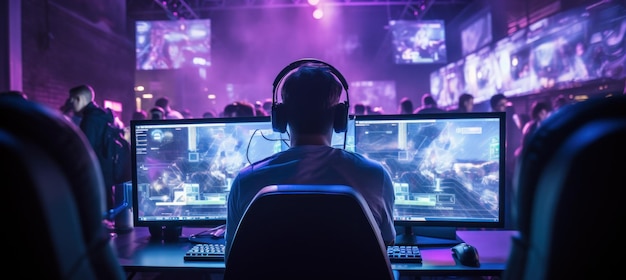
[
  {"x": 569, "y": 210},
  {"x": 308, "y": 232},
  {"x": 57, "y": 194}
]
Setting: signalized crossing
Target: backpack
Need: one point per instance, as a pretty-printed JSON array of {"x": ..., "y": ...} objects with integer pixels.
[{"x": 117, "y": 151}]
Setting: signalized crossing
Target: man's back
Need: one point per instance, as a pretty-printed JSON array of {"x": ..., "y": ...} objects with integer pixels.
[{"x": 320, "y": 165}]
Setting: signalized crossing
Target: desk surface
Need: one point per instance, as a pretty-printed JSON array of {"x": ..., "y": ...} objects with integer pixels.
[{"x": 137, "y": 252}]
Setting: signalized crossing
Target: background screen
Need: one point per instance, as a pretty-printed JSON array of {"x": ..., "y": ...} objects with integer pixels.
[
  {"x": 418, "y": 41},
  {"x": 173, "y": 44}
]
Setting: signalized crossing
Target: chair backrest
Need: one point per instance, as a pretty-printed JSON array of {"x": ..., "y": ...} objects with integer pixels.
[
  {"x": 308, "y": 232},
  {"x": 54, "y": 183},
  {"x": 568, "y": 177}
]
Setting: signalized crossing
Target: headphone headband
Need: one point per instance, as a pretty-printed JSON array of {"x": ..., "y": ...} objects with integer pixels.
[
  {"x": 294, "y": 65},
  {"x": 279, "y": 113}
]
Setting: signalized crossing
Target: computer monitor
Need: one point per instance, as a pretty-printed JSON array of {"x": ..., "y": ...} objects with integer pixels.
[
  {"x": 447, "y": 170},
  {"x": 183, "y": 169}
]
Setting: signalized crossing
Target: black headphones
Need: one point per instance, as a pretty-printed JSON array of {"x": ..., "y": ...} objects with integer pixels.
[{"x": 279, "y": 112}]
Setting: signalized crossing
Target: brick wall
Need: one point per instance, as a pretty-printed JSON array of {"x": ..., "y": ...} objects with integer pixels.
[{"x": 65, "y": 44}]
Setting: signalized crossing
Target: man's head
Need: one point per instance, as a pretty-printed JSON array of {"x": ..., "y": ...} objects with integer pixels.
[
  {"x": 359, "y": 109},
  {"x": 80, "y": 96},
  {"x": 310, "y": 96},
  {"x": 157, "y": 113},
  {"x": 498, "y": 102},
  {"x": 164, "y": 103},
  {"x": 428, "y": 100},
  {"x": 406, "y": 106},
  {"x": 466, "y": 102}
]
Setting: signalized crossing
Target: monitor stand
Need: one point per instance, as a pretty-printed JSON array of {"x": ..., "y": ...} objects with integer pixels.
[{"x": 428, "y": 236}]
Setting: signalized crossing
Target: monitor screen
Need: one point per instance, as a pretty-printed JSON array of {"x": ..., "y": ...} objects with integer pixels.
[
  {"x": 183, "y": 169},
  {"x": 448, "y": 84},
  {"x": 477, "y": 34},
  {"x": 378, "y": 95},
  {"x": 418, "y": 41},
  {"x": 171, "y": 44},
  {"x": 447, "y": 169},
  {"x": 481, "y": 74}
]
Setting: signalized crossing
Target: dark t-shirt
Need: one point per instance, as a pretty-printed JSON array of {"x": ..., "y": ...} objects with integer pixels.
[{"x": 93, "y": 124}]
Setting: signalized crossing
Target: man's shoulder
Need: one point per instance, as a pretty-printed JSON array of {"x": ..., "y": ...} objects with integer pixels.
[
  {"x": 175, "y": 115},
  {"x": 96, "y": 114}
]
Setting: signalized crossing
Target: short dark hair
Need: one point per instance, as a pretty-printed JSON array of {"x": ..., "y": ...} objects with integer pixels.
[
  {"x": 81, "y": 90},
  {"x": 406, "y": 105},
  {"x": 162, "y": 102},
  {"x": 359, "y": 109},
  {"x": 310, "y": 94},
  {"x": 495, "y": 99},
  {"x": 464, "y": 98},
  {"x": 157, "y": 113},
  {"x": 537, "y": 107},
  {"x": 428, "y": 100}
]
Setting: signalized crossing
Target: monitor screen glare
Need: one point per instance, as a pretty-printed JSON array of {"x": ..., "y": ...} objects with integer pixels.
[
  {"x": 183, "y": 168},
  {"x": 447, "y": 169}
]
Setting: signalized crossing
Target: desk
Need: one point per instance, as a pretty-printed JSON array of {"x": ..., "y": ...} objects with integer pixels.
[{"x": 137, "y": 253}]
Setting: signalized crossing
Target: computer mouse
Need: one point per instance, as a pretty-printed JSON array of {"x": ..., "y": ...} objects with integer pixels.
[{"x": 466, "y": 254}]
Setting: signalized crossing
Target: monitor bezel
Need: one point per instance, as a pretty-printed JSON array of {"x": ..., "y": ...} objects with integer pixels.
[
  {"x": 135, "y": 198},
  {"x": 501, "y": 116}
]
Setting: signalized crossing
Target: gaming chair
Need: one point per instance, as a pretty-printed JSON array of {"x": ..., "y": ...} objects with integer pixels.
[
  {"x": 56, "y": 195},
  {"x": 568, "y": 182},
  {"x": 308, "y": 232}
]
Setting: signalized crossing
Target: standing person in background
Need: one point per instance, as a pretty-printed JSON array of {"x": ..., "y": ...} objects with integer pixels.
[
  {"x": 559, "y": 102},
  {"x": 94, "y": 121},
  {"x": 406, "y": 106},
  {"x": 170, "y": 113},
  {"x": 139, "y": 115},
  {"x": 186, "y": 114},
  {"x": 466, "y": 104},
  {"x": 359, "y": 109},
  {"x": 208, "y": 115},
  {"x": 539, "y": 111},
  {"x": 429, "y": 105},
  {"x": 499, "y": 103},
  {"x": 157, "y": 113},
  {"x": 68, "y": 111}
]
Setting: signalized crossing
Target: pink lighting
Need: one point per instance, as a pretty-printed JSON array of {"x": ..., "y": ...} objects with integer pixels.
[
  {"x": 318, "y": 13},
  {"x": 313, "y": 2}
]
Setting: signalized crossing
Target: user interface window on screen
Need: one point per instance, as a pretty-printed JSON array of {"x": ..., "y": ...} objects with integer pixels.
[
  {"x": 442, "y": 169},
  {"x": 184, "y": 169}
]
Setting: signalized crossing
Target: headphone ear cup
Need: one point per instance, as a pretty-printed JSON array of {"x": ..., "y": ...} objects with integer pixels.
[
  {"x": 341, "y": 117},
  {"x": 279, "y": 118}
]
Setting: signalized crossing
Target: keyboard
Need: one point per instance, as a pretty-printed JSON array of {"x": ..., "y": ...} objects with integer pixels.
[
  {"x": 205, "y": 252},
  {"x": 404, "y": 254},
  {"x": 215, "y": 252}
]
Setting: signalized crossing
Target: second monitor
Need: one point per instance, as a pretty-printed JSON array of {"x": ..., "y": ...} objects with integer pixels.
[{"x": 447, "y": 170}]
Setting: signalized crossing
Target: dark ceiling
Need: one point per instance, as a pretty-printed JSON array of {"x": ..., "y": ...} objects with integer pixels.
[
  {"x": 190, "y": 9},
  {"x": 511, "y": 10}
]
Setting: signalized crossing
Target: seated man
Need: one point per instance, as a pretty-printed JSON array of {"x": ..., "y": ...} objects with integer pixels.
[{"x": 310, "y": 95}]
